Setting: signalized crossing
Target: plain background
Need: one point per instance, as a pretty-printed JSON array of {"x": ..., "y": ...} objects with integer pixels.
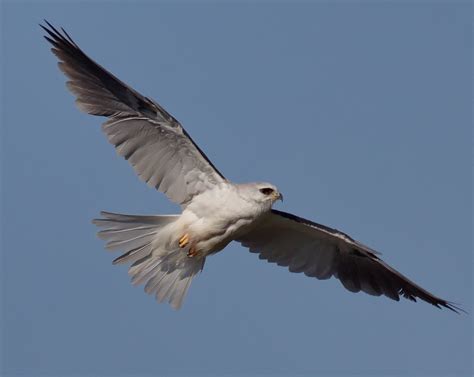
[{"x": 360, "y": 112}]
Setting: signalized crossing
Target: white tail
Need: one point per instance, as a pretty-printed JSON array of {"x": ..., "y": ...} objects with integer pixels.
[{"x": 166, "y": 273}]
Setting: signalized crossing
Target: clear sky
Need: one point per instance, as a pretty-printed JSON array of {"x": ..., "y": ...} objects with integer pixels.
[{"x": 359, "y": 112}]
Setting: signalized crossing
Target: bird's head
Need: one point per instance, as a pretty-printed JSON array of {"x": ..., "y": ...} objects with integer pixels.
[
  {"x": 262, "y": 193},
  {"x": 265, "y": 194},
  {"x": 268, "y": 192}
]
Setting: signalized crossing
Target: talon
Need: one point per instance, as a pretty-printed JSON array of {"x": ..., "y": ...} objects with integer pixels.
[
  {"x": 183, "y": 241},
  {"x": 192, "y": 252}
]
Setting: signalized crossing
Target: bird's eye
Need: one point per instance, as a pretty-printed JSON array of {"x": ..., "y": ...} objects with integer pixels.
[{"x": 266, "y": 191}]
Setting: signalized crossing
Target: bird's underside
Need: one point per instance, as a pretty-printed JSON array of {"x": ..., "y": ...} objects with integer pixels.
[{"x": 166, "y": 252}]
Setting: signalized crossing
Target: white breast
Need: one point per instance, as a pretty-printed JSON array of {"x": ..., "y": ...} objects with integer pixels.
[{"x": 216, "y": 216}]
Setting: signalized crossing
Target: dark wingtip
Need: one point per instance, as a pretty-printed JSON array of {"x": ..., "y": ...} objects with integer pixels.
[
  {"x": 453, "y": 307},
  {"x": 52, "y": 33},
  {"x": 46, "y": 22},
  {"x": 45, "y": 29},
  {"x": 56, "y": 36},
  {"x": 49, "y": 28}
]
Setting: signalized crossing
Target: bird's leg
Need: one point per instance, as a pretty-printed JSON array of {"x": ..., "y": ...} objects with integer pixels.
[
  {"x": 183, "y": 241},
  {"x": 192, "y": 252}
]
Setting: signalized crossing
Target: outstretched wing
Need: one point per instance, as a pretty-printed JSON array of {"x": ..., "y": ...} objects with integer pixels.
[
  {"x": 322, "y": 252},
  {"x": 156, "y": 145}
]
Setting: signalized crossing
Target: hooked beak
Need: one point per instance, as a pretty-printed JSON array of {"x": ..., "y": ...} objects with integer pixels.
[{"x": 278, "y": 196}]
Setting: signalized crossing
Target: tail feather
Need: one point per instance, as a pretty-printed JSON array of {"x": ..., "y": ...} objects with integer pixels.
[
  {"x": 117, "y": 218},
  {"x": 131, "y": 243},
  {"x": 133, "y": 254},
  {"x": 115, "y": 235},
  {"x": 181, "y": 287},
  {"x": 163, "y": 289},
  {"x": 152, "y": 284},
  {"x": 131, "y": 233},
  {"x": 143, "y": 269},
  {"x": 167, "y": 274}
]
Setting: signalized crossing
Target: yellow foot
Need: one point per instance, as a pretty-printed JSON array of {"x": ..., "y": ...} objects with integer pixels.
[
  {"x": 192, "y": 252},
  {"x": 183, "y": 241}
]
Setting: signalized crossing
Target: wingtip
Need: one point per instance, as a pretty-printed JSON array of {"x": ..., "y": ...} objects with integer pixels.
[
  {"x": 56, "y": 34},
  {"x": 45, "y": 29},
  {"x": 48, "y": 25},
  {"x": 455, "y": 307},
  {"x": 45, "y": 21}
]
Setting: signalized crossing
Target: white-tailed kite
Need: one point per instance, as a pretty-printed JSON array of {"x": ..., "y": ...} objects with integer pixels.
[{"x": 167, "y": 251}]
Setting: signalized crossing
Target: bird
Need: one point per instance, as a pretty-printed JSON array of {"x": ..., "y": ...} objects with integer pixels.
[{"x": 165, "y": 252}]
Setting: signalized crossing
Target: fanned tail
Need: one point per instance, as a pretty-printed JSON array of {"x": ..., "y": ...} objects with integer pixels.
[{"x": 166, "y": 273}]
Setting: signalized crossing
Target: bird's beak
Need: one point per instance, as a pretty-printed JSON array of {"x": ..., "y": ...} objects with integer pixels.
[{"x": 278, "y": 196}]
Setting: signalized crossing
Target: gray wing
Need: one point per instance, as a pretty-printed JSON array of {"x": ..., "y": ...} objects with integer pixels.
[
  {"x": 322, "y": 252},
  {"x": 156, "y": 145}
]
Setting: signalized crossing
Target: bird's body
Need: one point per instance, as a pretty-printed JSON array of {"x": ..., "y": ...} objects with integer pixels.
[
  {"x": 167, "y": 251},
  {"x": 217, "y": 217}
]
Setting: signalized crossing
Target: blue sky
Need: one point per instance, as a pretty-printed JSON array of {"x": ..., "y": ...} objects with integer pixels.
[{"x": 359, "y": 112}]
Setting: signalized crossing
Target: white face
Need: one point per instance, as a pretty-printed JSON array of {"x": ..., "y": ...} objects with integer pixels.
[
  {"x": 261, "y": 193},
  {"x": 267, "y": 192}
]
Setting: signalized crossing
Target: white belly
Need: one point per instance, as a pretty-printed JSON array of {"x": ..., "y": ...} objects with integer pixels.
[{"x": 215, "y": 218}]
